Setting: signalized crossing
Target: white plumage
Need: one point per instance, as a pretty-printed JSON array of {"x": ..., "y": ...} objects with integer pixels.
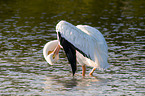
[
  {"x": 91, "y": 47},
  {"x": 48, "y": 52},
  {"x": 87, "y": 39}
]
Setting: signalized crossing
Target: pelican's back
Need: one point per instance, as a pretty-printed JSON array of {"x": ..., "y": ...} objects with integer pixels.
[{"x": 101, "y": 47}]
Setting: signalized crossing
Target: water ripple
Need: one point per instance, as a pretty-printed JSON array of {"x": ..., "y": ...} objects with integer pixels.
[{"x": 25, "y": 29}]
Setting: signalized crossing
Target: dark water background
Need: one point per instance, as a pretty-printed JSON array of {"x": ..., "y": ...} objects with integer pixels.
[{"x": 26, "y": 25}]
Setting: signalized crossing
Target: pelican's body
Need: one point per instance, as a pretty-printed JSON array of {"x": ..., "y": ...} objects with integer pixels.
[{"x": 81, "y": 43}]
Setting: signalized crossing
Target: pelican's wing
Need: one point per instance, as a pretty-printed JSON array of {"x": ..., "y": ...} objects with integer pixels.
[
  {"x": 101, "y": 48},
  {"x": 83, "y": 41},
  {"x": 70, "y": 52}
]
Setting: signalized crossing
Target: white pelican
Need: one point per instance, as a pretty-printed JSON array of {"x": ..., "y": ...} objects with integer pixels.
[{"x": 81, "y": 43}]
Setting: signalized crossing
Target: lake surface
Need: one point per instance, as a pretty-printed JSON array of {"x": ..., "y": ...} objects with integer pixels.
[{"x": 27, "y": 25}]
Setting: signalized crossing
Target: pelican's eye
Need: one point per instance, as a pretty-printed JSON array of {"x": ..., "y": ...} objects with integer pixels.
[{"x": 49, "y": 52}]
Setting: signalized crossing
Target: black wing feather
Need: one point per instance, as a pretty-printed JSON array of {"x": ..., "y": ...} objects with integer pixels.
[{"x": 70, "y": 52}]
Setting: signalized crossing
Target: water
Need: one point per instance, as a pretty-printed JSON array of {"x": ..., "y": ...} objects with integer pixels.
[{"x": 25, "y": 26}]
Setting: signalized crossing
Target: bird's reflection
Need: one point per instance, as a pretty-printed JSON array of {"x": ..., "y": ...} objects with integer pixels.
[
  {"x": 57, "y": 83},
  {"x": 64, "y": 82},
  {"x": 70, "y": 83}
]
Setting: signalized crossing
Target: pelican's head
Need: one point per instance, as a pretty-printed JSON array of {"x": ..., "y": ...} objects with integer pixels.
[{"x": 49, "y": 52}]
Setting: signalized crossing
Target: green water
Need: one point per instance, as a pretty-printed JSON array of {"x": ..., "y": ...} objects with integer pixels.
[{"x": 27, "y": 25}]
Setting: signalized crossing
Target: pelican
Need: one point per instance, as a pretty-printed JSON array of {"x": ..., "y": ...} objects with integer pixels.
[{"x": 82, "y": 43}]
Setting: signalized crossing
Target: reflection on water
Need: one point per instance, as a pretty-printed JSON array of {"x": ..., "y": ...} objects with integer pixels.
[
  {"x": 25, "y": 26},
  {"x": 66, "y": 84}
]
